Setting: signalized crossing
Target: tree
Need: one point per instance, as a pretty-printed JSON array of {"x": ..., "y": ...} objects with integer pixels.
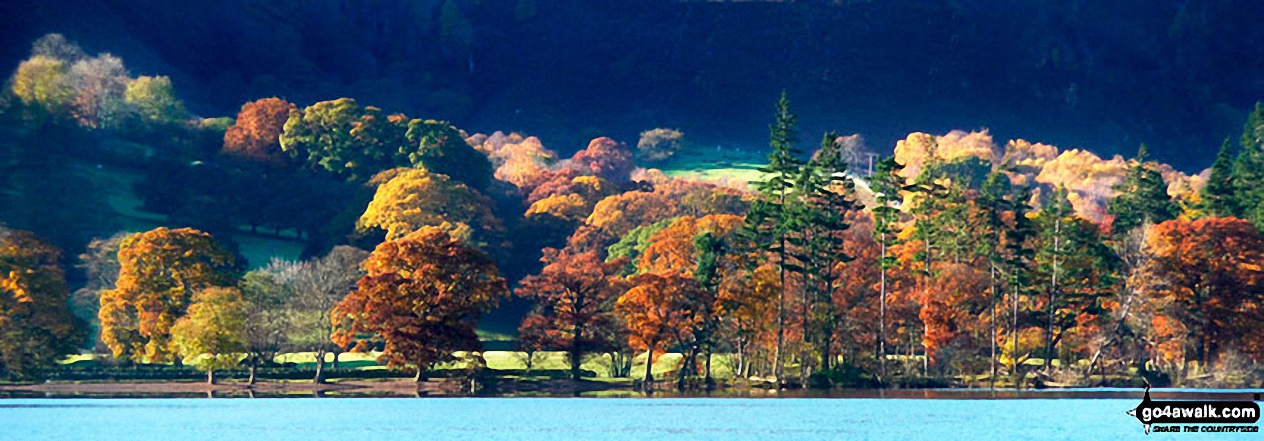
[
  {"x": 886, "y": 184},
  {"x": 36, "y": 325},
  {"x": 439, "y": 147},
  {"x": 159, "y": 270},
  {"x": 44, "y": 83},
  {"x": 605, "y": 159},
  {"x": 266, "y": 319},
  {"x": 100, "y": 85},
  {"x": 1142, "y": 197},
  {"x": 255, "y": 135},
  {"x": 658, "y": 145},
  {"x": 154, "y": 100},
  {"x": 1248, "y": 169},
  {"x": 1210, "y": 281},
  {"x": 1218, "y": 198},
  {"x": 342, "y": 138},
  {"x": 314, "y": 288},
  {"x": 213, "y": 330},
  {"x": 769, "y": 219},
  {"x": 413, "y": 198},
  {"x": 574, "y": 296},
  {"x": 656, "y": 311},
  {"x": 421, "y": 299}
]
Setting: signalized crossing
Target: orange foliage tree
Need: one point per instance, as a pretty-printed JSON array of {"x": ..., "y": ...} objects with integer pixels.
[
  {"x": 159, "y": 270},
  {"x": 256, "y": 135},
  {"x": 36, "y": 325},
  {"x": 573, "y": 296},
  {"x": 657, "y": 311},
  {"x": 421, "y": 299},
  {"x": 1211, "y": 282}
]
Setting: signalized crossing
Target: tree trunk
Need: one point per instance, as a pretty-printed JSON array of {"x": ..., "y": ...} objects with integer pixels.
[
  {"x": 421, "y": 374},
  {"x": 690, "y": 362},
  {"x": 577, "y": 357},
  {"x": 882, "y": 311},
  {"x": 254, "y": 366},
  {"x": 781, "y": 318},
  {"x": 1053, "y": 293},
  {"x": 334, "y": 366},
  {"x": 707, "y": 379},
  {"x": 647, "y": 383},
  {"x": 210, "y": 377},
  {"x": 320, "y": 367},
  {"x": 992, "y": 323}
]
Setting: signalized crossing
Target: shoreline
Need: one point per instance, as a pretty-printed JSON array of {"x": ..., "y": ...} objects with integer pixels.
[{"x": 500, "y": 388}]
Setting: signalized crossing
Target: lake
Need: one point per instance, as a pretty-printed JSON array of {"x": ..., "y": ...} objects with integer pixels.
[{"x": 605, "y": 419}]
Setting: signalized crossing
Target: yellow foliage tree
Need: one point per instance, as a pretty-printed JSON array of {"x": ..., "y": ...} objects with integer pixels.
[
  {"x": 414, "y": 198},
  {"x": 214, "y": 330},
  {"x": 159, "y": 270}
]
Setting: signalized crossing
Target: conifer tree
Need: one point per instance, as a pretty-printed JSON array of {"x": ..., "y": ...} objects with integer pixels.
[
  {"x": 1218, "y": 198},
  {"x": 1142, "y": 197},
  {"x": 886, "y": 184},
  {"x": 1248, "y": 170},
  {"x": 769, "y": 220}
]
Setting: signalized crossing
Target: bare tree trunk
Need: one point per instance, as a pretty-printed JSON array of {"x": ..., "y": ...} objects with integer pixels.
[
  {"x": 210, "y": 377},
  {"x": 320, "y": 367},
  {"x": 992, "y": 323},
  {"x": 781, "y": 319},
  {"x": 882, "y": 311},
  {"x": 337, "y": 354},
  {"x": 421, "y": 374},
  {"x": 1053, "y": 293},
  {"x": 254, "y": 367},
  {"x": 689, "y": 363}
]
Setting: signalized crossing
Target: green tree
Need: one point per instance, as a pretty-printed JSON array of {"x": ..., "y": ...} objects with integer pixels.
[
  {"x": 213, "y": 330},
  {"x": 1248, "y": 170},
  {"x": 1218, "y": 196},
  {"x": 1142, "y": 198},
  {"x": 154, "y": 99},
  {"x": 887, "y": 186},
  {"x": 770, "y": 219}
]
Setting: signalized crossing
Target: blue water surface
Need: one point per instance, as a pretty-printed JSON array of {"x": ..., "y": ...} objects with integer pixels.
[{"x": 604, "y": 419}]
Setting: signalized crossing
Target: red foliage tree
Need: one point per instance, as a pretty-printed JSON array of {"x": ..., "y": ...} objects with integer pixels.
[
  {"x": 573, "y": 297},
  {"x": 256, "y": 134},
  {"x": 421, "y": 299}
]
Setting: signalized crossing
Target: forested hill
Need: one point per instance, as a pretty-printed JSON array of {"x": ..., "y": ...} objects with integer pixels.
[{"x": 1105, "y": 76}]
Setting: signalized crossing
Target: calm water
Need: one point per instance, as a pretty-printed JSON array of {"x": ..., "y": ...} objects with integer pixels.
[{"x": 570, "y": 418}]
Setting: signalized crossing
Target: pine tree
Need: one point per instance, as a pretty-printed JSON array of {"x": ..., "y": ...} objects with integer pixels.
[
  {"x": 1142, "y": 198},
  {"x": 1248, "y": 169},
  {"x": 993, "y": 202},
  {"x": 769, "y": 221},
  {"x": 887, "y": 185},
  {"x": 1218, "y": 198}
]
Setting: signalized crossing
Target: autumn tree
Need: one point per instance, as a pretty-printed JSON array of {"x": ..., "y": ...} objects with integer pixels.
[
  {"x": 604, "y": 158},
  {"x": 574, "y": 298},
  {"x": 213, "y": 330},
  {"x": 43, "y": 83},
  {"x": 421, "y": 299},
  {"x": 312, "y": 289},
  {"x": 36, "y": 325},
  {"x": 1209, "y": 282},
  {"x": 159, "y": 270},
  {"x": 656, "y": 311},
  {"x": 255, "y": 135},
  {"x": 658, "y": 145},
  {"x": 154, "y": 100},
  {"x": 409, "y": 199}
]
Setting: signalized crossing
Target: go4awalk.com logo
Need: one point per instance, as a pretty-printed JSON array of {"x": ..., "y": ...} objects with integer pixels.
[{"x": 1196, "y": 416}]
